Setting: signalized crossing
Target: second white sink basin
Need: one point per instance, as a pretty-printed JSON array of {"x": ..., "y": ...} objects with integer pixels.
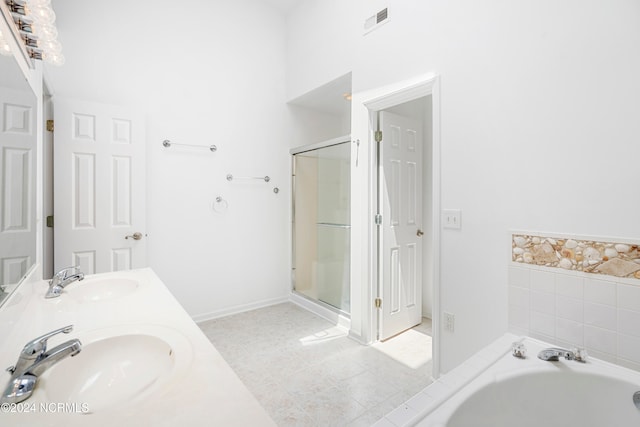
[
  {"x": 112, "y": 372},
  {"x": 94, "y": 290}
]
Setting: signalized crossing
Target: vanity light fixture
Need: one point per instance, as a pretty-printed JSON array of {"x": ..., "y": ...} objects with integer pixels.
[{"x": 35, "y": 21}]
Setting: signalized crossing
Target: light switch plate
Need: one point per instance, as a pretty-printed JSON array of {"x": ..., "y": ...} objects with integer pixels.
[{"x": 452, "y": 218}]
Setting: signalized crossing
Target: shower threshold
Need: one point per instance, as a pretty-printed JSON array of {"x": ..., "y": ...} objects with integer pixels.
[{"x": 322, "y": 309}]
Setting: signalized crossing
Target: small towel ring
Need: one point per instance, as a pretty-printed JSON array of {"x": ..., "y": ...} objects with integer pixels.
[{"x": 220, "y": 205}]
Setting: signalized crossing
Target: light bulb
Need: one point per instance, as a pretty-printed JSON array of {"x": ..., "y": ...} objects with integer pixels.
[
  {"x": 38, "y": 3},
  {"x": 45, "y": 31},
  {"x": 53, "y": 58},
  {"x": 53, "y": 46},
  {"x": 42, "y": 15}
]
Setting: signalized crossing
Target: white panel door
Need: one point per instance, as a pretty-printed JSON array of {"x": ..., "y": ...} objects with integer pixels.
[
  {"x": 99, "y": 187},
  {"x": 401, "y": 242},
  {"x": 17, "y": 192}
]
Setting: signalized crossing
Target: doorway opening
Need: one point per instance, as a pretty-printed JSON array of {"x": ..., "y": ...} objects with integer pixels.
[
  {"x": 404, "y": 244},
  {"x": 400, "y": 251},
  {"x": 404, "y": 231}
]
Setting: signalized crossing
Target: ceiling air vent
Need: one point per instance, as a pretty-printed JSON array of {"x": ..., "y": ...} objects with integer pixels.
[{"x": 375, "y": 21}]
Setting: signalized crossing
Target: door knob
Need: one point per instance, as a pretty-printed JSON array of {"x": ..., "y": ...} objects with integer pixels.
[
  {"x": 135, "y": 236},
  {"x": 419, "y": 233}
]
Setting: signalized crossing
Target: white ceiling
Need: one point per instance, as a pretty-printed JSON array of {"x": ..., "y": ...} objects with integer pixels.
[{"x": 284, "y": 5}]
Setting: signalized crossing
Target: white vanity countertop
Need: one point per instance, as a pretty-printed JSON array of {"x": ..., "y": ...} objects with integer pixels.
[{"x": 206, "y": 391}]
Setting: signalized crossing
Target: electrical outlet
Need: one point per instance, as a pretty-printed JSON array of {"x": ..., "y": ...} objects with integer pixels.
[
  {"x": 452, "y": 218},
  {"x": 449, "y": 322}
]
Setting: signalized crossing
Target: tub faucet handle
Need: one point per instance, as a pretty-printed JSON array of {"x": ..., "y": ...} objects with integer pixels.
[
  {"x": 519, "y": 350},
  {"x": 580, "y": 355}
]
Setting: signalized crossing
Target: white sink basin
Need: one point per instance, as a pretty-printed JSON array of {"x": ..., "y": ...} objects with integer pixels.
[
  {"x": 94, "y": 290},
  {"x": 112, "y": 372}
]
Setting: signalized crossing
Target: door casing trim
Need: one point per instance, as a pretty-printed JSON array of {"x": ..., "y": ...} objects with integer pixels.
[{"x": 365, "y": 107}]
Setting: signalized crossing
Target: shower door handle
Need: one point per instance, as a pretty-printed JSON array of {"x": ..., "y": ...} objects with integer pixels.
[{"x": 419, "y": 233}]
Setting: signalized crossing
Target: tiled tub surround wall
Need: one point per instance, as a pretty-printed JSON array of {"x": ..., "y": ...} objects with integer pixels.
[
  {"x": 590, "y": 256},
  {"x": 577, "y": 309}
]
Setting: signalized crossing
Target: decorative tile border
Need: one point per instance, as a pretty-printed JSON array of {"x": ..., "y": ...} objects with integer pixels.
[{"x": 589, "y": 256}]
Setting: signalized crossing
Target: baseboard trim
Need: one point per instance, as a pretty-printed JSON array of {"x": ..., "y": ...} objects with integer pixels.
[
  {"x": 199, "y": 318},
  {"x": 358, "y": 338}
]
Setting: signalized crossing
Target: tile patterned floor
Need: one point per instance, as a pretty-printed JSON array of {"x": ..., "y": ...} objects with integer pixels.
[{"x": 306, "y": 372}]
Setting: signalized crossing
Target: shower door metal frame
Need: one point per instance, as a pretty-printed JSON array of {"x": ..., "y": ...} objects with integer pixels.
[{"x": 293, "y": 152}]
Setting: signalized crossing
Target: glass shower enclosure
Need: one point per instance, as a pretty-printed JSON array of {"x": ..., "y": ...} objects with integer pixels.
[{"x": 321, "y": 177}]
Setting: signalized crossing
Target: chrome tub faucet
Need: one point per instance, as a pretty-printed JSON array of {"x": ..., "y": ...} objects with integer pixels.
[
  {"x": 553, "y": 354},
  {"x": 61, "y": 279},
  {"x": 33, "y": 361}
]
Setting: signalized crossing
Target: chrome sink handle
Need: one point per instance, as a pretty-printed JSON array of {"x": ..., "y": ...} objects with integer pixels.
[
  {"x": 62, "y": 274},
  {"x": 62, "y": 279},
  {"x": 38, "y": 345},
  {"x": 36, "y": 348}
]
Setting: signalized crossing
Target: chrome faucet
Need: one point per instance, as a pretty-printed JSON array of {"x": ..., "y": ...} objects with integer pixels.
[
  {"x": 554, "y": 354},
  {"x": 62, "y": 279},
  {"x": 34, "y": 360}
]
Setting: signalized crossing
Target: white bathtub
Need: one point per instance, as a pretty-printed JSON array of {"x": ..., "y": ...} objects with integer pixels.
[{"x": 527, "y": 393}]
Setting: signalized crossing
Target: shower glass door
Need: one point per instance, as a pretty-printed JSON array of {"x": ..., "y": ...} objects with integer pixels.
[{"x": 321, "y": 224}]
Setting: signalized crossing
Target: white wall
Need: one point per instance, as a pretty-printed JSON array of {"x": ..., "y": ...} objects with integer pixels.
[
  {"x": 210, "y": 72},
  {"x": 538, "y": 129},
  {"x": 320, "y": 44},
  {"x": 308, "y": 126}
]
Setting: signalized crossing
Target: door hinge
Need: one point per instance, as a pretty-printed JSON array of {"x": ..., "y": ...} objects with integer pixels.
[
  {"x": 50, "y": 221},
  {"x": 378, "y": 302},
  {"x": 378, "y": 219},
  {"x": 50, "y": 125},
  {"x": 378, "y": 136}
]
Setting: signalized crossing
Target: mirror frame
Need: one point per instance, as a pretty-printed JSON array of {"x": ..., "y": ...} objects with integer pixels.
[{"x": 33, "y": 74}]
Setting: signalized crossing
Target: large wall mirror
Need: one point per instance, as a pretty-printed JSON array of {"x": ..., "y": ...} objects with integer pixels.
[{"x": 18, "y": 142}]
